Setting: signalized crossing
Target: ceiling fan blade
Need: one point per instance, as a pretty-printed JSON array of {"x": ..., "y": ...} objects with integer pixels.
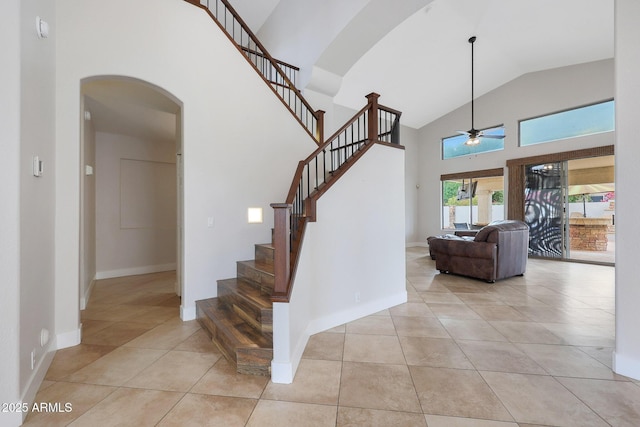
[
  {"x": 462, "y": 132},
  {"x": 491, "y": 136}
]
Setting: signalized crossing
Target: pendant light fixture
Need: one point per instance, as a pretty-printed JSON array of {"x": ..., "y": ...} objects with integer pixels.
[{"x": 473, "y": 134}]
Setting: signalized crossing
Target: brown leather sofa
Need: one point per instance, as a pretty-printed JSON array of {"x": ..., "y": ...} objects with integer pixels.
[{"x": 497, "y": 251}]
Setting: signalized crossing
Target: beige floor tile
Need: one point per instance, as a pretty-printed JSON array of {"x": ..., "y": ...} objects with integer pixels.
[
  {"x": 565, "y": 305},
  {"x": 453, "y": 311},
  {"x": 156, "y": 315},
  {"x": 356, "y": 417},
  {"x": 165, "y": 336},
  {"x": 435, "y": 352},
  {"x": 324, "y": 346},
  {"x": 583, "y": 334},
  {"x": 499, "y": 356},
  {"x": 113, "y": 313},
  {"x": 132, "y": 407},
  {"x": 316, "y": 381},
  {"x": 440, "y": 298},
  {"x": 69, "y": 360},
  {"x": 117, "y": 367},
  {"x": 428, "y": 285},
  {"x": 603, "y": 355},
  {"x": 480, "y": 299},
  {"x": 117, "y": 334},
  {"x": 373, "y": 325},
  {"x": 270, "y": 413},
  {"x": 615, "y": 401},
  {"x": 174, "y": 371},
  {"x": 416, "y": 309},
  {"x": 223, "y": 380},
  {"x": 373, "y": 348},
  {"x": 539, "y": 313},
  {"x": 378, "y": 386},
  {"x": 198, "y": 410},
  {"x": 442, "y": 421},
  {"x": 80, "y": 397},
  {"x": 90, "y": 327},
  {"x": 198, "y": 342},
  {"x": 526, "y": 332},
  {"x": 499, "y": 312},
  {"x": 538, "y": 399},
  {"x": 458, "y": 393},
  {"x": 419, "y": 327},
  {"x": 566, "y": 361},
  {"x": 460, "y": 329}
]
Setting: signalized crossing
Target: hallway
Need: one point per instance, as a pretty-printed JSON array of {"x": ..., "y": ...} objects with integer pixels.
[{"x": 532, "y": 350}]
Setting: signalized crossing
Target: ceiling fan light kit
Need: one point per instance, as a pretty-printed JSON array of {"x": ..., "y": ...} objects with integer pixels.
[{"x": 474, "y": 134}]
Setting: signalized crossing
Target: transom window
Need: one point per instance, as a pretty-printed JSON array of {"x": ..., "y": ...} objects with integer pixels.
[
  {"x": 453, "y": 146},
  {"x": 582, "y": 121}
]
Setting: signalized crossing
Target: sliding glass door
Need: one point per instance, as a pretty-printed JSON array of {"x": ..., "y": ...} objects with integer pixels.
[{"x": 570, "y": 209}]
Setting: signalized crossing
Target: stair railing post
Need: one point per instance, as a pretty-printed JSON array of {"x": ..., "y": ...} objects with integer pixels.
[
  {"x": 373, "y": 117},
  {"x": 282, "y": 247},
  {"x": 320, "y": 126}
]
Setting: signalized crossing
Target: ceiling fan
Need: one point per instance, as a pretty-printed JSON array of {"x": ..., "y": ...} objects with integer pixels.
[{"x": 473, "y": 133}]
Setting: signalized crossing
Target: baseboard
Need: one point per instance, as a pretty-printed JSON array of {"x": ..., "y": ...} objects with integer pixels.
[
  {"x": 133, "y": 271},
  {"x": 87, "y": 294},
  {"x": 627, "y": 366},
  {"x": 68, "y": 339},
  {"x": 187, "y": 313},
  {"x": 37, "y": 376}
]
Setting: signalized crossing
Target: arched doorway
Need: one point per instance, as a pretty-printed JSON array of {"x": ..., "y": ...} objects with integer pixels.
[{"x": 130, "y": 183}]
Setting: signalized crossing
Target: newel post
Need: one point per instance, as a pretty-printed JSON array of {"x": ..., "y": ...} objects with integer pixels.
[
  {"x": 320, "y": 127},
  {"x": 373, "y": 116},
  {"x": 282, "y": 251}
]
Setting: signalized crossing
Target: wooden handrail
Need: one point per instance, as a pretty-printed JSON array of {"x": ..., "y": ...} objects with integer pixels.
[
  {"x": 316, "y": 132},
  {"x": 310, "y": 182}
]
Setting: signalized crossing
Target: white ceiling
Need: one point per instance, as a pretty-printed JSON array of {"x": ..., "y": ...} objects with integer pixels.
[{"x": 414, "y": 53}]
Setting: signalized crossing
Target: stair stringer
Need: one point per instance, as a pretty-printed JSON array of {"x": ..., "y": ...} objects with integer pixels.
[{"x": 355, "y": 250}]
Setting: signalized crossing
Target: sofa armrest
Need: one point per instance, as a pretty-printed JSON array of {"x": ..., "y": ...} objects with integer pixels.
[{"x": 464, "y": 248}]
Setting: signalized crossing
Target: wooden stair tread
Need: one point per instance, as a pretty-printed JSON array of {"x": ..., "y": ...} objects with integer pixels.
[
  {"x": 236, "y": 331},
  {"x": 257, "y": 265},
  {"x": 248, "y": 290}
]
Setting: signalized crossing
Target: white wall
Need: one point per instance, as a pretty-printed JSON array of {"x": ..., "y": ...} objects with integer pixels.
[
  {"x": 352, "y": 262},
  {"x": 528, "y": 96},
  {"x": 37, "y": 194},
  {"x": 240, "y": 144},
  {"x": 409, "y": 139},
  {"x": 9, "y": 212},
  {"x": 135, "y": 205},
  {"x": 627, "y": 352}
]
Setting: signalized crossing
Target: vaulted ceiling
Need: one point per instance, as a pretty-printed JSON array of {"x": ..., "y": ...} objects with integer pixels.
[{"x": 414, "y": 53}]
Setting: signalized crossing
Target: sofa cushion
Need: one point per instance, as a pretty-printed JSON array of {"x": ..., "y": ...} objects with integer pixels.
[{"x": 484, "y": 232}]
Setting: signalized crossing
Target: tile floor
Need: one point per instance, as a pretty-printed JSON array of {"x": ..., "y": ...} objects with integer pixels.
[{"x": 527, "y": 351}]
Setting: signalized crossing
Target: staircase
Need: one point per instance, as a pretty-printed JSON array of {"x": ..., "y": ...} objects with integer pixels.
[{"x": 239, "y": 320}]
